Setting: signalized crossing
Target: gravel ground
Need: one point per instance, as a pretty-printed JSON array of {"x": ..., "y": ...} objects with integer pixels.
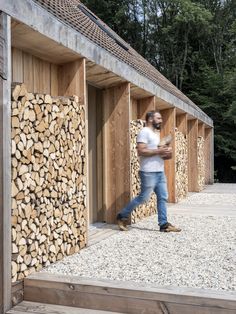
[
  {"x": 203, "y": 255},
  {"x": 210, "y": 199}
]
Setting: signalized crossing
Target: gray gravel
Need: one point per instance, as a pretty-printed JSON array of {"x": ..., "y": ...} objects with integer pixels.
[
  {"x": 203, "y": 255},
  {"x": 210, "y": 199}
]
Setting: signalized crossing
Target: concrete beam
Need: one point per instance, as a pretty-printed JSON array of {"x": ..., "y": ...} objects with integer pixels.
[
  {"x": 31, "y": 14},
  {"x": 5, "y": 163}
]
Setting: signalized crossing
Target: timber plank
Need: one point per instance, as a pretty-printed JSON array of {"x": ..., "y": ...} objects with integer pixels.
[
  {"x": 17, "y": 65},
  {"x": 101, "y": 236},
  {"x": 201, "y": 129},
  {"x": 54, "y": 80},
  {"x": 39, "y": 308},
  {"x": 99, "y": 172},
  {"x": 192, "y": 156},
  {"x": 134, "y": 108},
  {"x": 92, "y": 154},
  {"x": 181, "y": 123},
  {"x": 122, "y": 296},
  {"x": 116, "y": 148},
  {"x": 144, "y": 105},
  {"x": 187, "y": 309},
  {"x": 99, "y": 301},
  {"x": 208, "y": 156},
  {"x": 169, "y": 120},
  {"x": 28, "y": 75},
  {"x": 72, "y": 78}
]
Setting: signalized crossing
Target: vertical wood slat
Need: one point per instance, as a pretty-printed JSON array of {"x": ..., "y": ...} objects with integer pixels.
[
  {"x": 201, "y": 129},
  {"x": 28, "y": 76},
  {"x": 17, "y": 65},
  {"x": 72, "y": 81},
  {"x": 116, "y": 102},
  {"x": 54, "y": 80},
  {"x": 192, "y": 156},
  {"x": 209, "y": 156},
  {"x": 99, "y": 113},
  {"x": 44, "y": 77},
  {"x": 182, "y": 123},
  {"x": 39, "y": 76},
  {"x": 92, "y": 153},
  {"x": 169, "y": 120},
  {"x": 5, "y": 163},
  {"x": 145, "y": 105},
  {"x": 36, "y": 71},
  {"x": 95, "y": 171},
  {"x": 134, "y": 109}
]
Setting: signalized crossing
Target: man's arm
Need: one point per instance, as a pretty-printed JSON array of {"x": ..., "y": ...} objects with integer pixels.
[{"x": 146, "y": 152}]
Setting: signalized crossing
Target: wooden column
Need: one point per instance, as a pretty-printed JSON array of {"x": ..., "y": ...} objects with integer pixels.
[
  {"x": 5, "y": 162},
  {"x": 134, "y": 108},
  {"x": 95, "y": 171},
  {"x": 116, "y": 149},
  {"x": 192, "y": 156},
  {"x": 209, "y": 155},
  {"x": 145, "y": 105},
  {"x": 168, "y": 116},
  {"x": 201, "y": 129},
  {"x": 72, "y": 81},
  {"x": 182, "y": 123}
]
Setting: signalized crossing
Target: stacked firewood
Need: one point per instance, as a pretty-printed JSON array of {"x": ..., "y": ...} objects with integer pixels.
[
  {"x": 148, "y": 209},
  {"x": 48, "y": 179},
  {"x": 181, "y": 155},
  {"x": 201, "y": 162}
]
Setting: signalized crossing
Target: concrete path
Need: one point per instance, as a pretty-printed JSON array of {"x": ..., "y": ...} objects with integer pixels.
[{"x": 215, "y": 200}]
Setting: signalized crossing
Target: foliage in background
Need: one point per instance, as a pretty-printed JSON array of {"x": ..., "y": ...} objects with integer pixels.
[{"x": 193, "y": 43}]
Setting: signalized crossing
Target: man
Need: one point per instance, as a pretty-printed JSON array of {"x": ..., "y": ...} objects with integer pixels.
[{"x": 151, "y": 173}]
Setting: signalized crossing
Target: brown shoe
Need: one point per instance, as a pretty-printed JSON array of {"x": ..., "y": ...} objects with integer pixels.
[
  {"x": 169, "y": 228},
  {"x": 122, "y": 223}
]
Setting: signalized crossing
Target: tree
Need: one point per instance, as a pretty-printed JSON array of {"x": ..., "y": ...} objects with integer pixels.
[{"x": 193, "y": 43}]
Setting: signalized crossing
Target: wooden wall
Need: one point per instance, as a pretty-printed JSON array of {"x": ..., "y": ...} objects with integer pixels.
[
  {"x": 192, "y": 155},
  {"x": 144, "y": 105},
  {"x": 39, "y": 76},
  {"x": 116, "y": 158},
  {"x": 95, "y": 171},
  {"x": 209, "y": 177},
  {"x": 168, "y": 116},
  {"x": 201, "y": 129},
  {"x": 182, "y": 123},
  {"x": 134, "y": 108}
]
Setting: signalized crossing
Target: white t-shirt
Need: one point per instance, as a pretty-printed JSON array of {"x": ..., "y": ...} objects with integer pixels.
[{"x": 152, "y": 139}]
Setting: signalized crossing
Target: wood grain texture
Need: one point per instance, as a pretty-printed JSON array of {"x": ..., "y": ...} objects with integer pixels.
[
  {"x": 144, "y": 105},
  {"x": 192, "y": 156},
  {"x": 209, "y": 155},
  {"x": 116, "y": 102},
  {"x": 126, "y": 297},
  {"x": 169, "y": 120},
  {"x": 201, "y": 129},
  {"x": 39, "y": 75},
  {"x": 181, "y": 123},
  {"x": 39, "y": 308}
]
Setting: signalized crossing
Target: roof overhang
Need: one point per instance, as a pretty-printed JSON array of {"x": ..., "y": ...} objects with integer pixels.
[{"x": 73, "y": 44}]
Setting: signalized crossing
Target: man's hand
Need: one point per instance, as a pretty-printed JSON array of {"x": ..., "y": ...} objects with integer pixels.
[{"x": 165, "y": 152}]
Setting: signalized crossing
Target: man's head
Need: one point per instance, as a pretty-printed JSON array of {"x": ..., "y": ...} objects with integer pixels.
[{"x": 154, "y": 119}]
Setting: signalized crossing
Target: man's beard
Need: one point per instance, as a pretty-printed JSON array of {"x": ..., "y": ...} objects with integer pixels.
[{"x": 156, "y": 126}]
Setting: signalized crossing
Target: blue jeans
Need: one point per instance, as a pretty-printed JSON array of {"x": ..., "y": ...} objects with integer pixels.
[{"x": 150, "y": 181}]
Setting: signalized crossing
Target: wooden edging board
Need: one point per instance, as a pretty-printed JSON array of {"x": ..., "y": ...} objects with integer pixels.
[{"x": 126, "y": 297}]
